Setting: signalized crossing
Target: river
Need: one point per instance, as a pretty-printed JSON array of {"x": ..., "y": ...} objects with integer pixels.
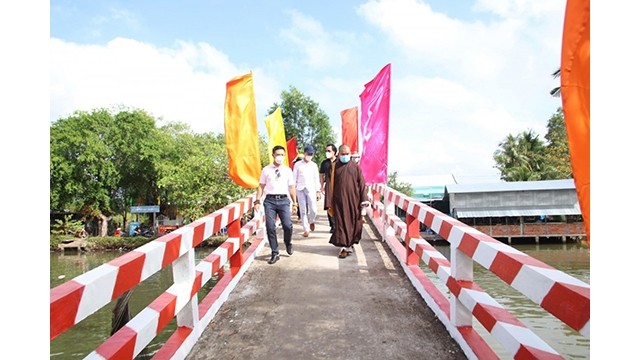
[{"x": 79, "y": 341}]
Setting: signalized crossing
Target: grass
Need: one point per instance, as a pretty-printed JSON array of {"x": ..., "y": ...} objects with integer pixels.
[{"x": 122, "y": 243}]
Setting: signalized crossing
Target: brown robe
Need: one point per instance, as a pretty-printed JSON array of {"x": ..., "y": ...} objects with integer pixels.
[{"x": 349, "y": 191}]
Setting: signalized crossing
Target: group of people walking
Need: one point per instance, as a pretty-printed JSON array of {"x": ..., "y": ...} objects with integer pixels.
[{"x": 286, "y": 191}]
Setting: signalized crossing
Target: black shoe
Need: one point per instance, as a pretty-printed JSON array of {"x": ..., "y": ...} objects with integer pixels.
[
  {"x": 273, "y": 259},
  {"x": 290, "y": 249}
]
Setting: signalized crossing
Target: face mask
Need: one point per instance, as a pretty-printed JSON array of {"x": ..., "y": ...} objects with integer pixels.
[
  {"x": 307, "y": 158},
  {"x": 329, "y": 154},
  {"x": 345, "y": 158},
  {"x": 356, "y": 160},
  {"x": 279, "y": 159}
]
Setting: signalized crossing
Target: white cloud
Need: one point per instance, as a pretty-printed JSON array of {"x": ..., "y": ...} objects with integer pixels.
[
  {"x": 493, "y": 78},
  {"x": 319, "y": 48},
  {"x": 186, "y": 83}
]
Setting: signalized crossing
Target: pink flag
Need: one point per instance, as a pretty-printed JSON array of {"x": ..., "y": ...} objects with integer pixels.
[
  {"x": 350, "y": 128},
  {"x": 375, "y": 127}
]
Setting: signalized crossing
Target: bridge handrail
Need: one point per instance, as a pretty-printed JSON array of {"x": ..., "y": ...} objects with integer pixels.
[
  {"x": 80, "y": 297},
  {"x": 562, "y": 295}
]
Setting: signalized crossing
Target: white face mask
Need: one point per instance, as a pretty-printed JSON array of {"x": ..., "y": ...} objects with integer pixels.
[
  {"x": 279, "y": 159},
  {"x": 329, "y": 154},
  {"x": 355, "y": 159},
  {"x": 307, "y": 158}
]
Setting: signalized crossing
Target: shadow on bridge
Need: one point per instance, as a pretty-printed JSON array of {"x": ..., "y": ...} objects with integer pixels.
[{"x": 313, "y": 305}]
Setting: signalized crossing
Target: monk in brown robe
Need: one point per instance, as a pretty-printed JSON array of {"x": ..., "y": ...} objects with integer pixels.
[{"x": 348, "y": 196}]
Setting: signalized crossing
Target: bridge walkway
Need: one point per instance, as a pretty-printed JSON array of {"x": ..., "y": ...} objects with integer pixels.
[{"x": 313, "y": 305}]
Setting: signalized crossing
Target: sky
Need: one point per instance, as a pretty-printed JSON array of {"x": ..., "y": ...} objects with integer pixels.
[{"x": 464, "y": 74}]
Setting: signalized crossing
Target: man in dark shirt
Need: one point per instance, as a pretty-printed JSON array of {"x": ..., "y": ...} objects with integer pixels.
[{"x": 325, "y": 178}]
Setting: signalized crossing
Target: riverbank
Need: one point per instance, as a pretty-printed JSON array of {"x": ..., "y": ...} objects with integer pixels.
[{"x": 119, "y": 243}]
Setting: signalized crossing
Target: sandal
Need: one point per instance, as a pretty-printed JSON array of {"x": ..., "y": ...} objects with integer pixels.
[{"x": 343, "y": 253}]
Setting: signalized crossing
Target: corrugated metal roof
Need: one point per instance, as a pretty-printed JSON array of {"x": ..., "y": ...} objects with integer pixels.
[
  {"x": 428, "y": 192},
  {"x": 511, "y": 186},
  {"x": 523, "y": 211},
  {"x": 428, "y": 180}
]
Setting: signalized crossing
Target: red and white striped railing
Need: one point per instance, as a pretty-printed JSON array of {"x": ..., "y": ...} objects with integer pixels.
[
  {"x": 562, "y": 295},
  {"x": 80, "y": 297}
]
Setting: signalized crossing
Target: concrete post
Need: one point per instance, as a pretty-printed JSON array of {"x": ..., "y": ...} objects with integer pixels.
[
  {"x": 461, "y": 270},
  {"x": 184, "y": 271},
  {"x": 413, "y": 231},
  {"x": 236, "y": 260}
]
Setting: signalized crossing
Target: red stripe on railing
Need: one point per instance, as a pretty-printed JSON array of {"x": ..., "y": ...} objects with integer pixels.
[
  {"x": 129, "y": 272},
  {"x": 489, "y": 315},
  {"x": 526, "y": 352},
  {"x": 169, "y": 349},
  {"x": 119, "y": 346},
  {"x": 165, "y": 305},
  {"x": 172, "y": 247},
  {"x": 63, "y": 307},
  {"x": 570, "y": 302},
  {"x": 197, "y": 283},
  {"x": 198, "y": 233}
]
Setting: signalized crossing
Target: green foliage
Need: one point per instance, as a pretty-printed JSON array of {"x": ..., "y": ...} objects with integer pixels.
[
  {"x": 403, "y": 187},
  {"x": 525, "y": 157},
  {"x": 104, "y": 161},
  {"x": 557, "y": 155},
  {"x": 100, "y": 159},
  {"x": 66, "y": 226},
  {"x": 304, "y": 120},
  {"x": 193, "y": 172}
]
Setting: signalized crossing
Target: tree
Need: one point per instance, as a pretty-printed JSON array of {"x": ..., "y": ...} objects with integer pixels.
[
  {"x": 521, "y": 157},
  {"x": 403, "y": 187},
  {"x": 525, "y": 158},
  {"x": 98, "y": 159},
  {"x": 303, "y": 118},
  {"x": 193, "y": 172},
  {"x": 557, "y": 156}
]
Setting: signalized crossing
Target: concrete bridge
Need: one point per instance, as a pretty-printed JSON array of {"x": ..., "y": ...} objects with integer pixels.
[{"x": 377, "y": 303}]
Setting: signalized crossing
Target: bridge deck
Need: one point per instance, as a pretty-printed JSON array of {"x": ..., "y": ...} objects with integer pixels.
[{"x": 313, "y": 305}]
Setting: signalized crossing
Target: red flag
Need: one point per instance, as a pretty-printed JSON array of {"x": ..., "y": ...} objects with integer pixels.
[
  {"x": 292, "y": 150},
  {"x": 375, "y": 127},
  {"x": 574, "y": 89},
  {"x": 350, "y": 128}
]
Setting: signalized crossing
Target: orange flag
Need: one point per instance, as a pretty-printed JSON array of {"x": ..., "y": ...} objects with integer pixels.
[
  {"x": 350, "y": 128},
  {"x": 241, "y": 132},
  {"x": 275, "y": 131},
  {"x": 574, "y": 89}
]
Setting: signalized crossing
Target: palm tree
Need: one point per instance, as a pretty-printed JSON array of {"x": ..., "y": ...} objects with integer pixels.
[
  {"x": 521, "y": 157},
  {"x": 555, "y": 91}
]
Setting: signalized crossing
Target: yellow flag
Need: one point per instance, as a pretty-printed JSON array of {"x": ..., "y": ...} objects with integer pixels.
[
  {"x": 241, "y": 132},
  {"x": 275, "y": 131}
]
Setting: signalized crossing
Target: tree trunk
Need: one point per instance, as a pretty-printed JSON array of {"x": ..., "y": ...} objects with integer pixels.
[{"x": 104, "y": 225}]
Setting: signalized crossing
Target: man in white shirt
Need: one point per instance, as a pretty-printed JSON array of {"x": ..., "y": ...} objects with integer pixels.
[
  {"x": 307, "y": 179},
  {"x": 276, "y": 183}
]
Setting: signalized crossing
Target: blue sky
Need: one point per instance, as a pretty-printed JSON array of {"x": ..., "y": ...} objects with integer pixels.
[{"x": 464, "y": 74}]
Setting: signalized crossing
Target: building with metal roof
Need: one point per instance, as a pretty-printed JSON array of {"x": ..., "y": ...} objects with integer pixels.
[
  {"x": 534, "y": 209},
  {"x": 521, "y": 198}
]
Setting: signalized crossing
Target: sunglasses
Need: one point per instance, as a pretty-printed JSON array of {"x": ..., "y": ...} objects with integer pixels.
[{"x": 277, "y": 172}]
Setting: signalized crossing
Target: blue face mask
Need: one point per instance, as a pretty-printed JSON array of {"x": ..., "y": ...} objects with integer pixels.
[{"x": 345, "y": 158}]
